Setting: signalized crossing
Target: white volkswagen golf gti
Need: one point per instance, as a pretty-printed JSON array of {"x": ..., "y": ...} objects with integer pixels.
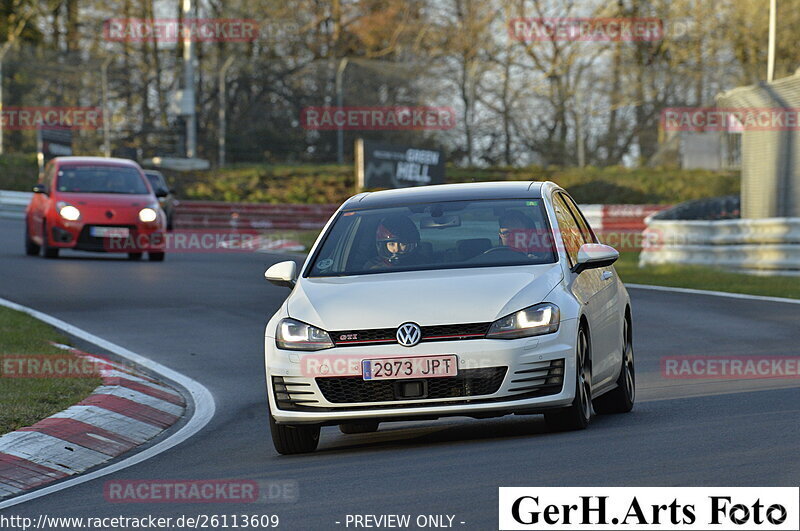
[{"x": 476, "y": 300}]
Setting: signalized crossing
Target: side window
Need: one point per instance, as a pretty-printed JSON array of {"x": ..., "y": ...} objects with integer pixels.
[
  {"x": 570, "y": 231},
  {"x": 160, "y": 184},
  {"x": 343, "y": 233},
  {"x": 586, "y": 230}
]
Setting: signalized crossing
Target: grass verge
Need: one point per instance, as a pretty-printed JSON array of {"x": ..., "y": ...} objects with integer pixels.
[
  {"x": 332, "y": 183},
  {"x": 25, "y": 401},
  {"x": 705, "y": 278}
]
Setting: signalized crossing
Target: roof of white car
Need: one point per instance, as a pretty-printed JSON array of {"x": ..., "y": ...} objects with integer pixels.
[
  {"x": 447, "y": 192},
  {"x": 97, "y": 160}
]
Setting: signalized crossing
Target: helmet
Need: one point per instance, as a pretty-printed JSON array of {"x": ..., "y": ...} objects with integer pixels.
[{"x": 396, "y": 229}]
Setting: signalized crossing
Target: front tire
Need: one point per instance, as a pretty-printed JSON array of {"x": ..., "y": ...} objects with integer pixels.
[
  {"x": 47, "y": 251},
  {"x": 31, "y": 247},
  {"x": 621, "y": 398},
  {"x": 577, "y": 415},
  {"x": 294, "y": 439},
  {"x": 134, "y": 256}
]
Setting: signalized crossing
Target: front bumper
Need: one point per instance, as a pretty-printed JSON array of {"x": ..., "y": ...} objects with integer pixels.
[
  {"x": 527, "y": 370},
  {"x": 76, "y": 235}
]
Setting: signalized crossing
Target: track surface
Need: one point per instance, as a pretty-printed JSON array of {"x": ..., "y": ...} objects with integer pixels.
[{"x": 203, "y": 315}]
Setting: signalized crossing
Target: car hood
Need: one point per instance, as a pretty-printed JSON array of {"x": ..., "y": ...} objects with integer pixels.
[
  {"x": 450, "y": 296},
  {"x": 120, "y": 201}
]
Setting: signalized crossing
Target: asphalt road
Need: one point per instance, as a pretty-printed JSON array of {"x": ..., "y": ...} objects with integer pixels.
[{"x": 203, "y": 315}]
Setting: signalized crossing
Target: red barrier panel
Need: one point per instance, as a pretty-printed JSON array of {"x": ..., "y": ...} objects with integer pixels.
[
  {"x": 628, "y": 217},
  {"x": 220, "y": 215}
]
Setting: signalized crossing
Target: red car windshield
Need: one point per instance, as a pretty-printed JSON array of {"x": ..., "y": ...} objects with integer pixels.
[{"x": 100, "y": 180}]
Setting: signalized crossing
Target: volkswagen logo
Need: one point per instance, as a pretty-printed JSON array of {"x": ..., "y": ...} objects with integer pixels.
[{"x": 409, "y": 334}]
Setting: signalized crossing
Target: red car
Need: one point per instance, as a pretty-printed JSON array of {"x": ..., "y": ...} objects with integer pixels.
[{"x": 94, "y": 204}]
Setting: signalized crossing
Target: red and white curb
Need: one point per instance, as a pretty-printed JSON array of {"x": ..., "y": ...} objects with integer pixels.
[
  {"x": 126, "y": 411},
  {"x": 619, "y": 217}
]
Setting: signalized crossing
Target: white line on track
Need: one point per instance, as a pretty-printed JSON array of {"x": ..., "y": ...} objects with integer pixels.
[
  {"x": 721, "y": 387},
  {"x": 714, "y": 293},
  {"x": 204, "y": 405}
]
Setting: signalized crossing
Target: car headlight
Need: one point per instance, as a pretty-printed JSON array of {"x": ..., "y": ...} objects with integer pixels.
[
  {"x": 67, "y": 211},
  {"x": 147, "y": 215},
  {"x": 296, "y": 335},
  {"x": 534, "y": 321}
]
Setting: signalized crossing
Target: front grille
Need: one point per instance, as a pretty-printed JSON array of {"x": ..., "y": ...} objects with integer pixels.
[
  {"x": 469, "y": 382},
  {"x": 429, "y": 333},
  {"x": 459, "y": 331}
]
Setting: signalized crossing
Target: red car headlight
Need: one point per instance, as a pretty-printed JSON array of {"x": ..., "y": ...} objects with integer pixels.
[
  {"x": 67, "y": 211},
  {"x": 148, "y": 215}
]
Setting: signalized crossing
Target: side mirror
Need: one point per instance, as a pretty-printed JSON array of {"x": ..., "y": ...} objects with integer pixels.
[
  {"x": 161, "y": 193},
  {"x": 594, "y": 255},
  {"x": 282, "y": 274},
  {"x": 40, "y": 189}
]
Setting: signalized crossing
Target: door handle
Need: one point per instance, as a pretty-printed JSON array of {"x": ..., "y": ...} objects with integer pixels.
[{"x": 606, "y": 275}]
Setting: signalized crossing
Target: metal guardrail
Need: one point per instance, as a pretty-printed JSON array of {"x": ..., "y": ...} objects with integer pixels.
[
  {"x": 767, "y": 245},
  {"x": 13, "y": 204}
]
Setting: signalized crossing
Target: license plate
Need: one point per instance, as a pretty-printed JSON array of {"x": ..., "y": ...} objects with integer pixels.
[
  {"x": 416, "y": 367},
  {"x": 110, "y": 232}
]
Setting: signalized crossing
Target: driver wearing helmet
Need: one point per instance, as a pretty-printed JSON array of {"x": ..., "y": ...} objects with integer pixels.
[
  {"x": 397, "y": 243},
  {"x": 516, "y": 231}
]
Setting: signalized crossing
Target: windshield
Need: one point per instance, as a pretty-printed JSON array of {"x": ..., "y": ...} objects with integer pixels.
[
  {"x": 101, "y": 180},
  {"x": 446, "y": 235}
]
